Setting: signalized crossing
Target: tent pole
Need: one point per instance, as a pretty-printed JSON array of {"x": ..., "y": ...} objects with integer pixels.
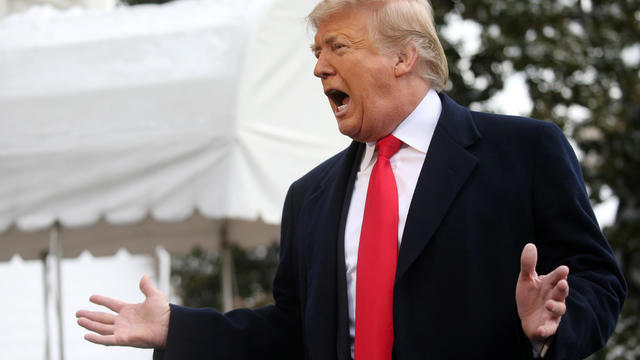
[
  {"x": 47, "y": 331},
  {"x": 227, "y": 267},
  {"x": 55, "y": 247},
  {"x": 163, "y": 270}
]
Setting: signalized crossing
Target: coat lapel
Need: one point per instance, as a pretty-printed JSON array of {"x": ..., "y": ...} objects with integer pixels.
[
  {"x": 325, "y": 211},
  {"x": 344, "y": 339},
  {"x": 447, "y": 166}
]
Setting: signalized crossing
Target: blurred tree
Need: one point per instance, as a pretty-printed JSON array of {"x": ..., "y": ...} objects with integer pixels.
[
  {"x": 254, "y": 273},
  {"x": 197, "y": 278},
  {"x": 580, "y": 59}
]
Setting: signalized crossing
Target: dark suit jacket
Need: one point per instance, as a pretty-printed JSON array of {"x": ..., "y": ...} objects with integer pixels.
[{"x": 489, "y": 185}]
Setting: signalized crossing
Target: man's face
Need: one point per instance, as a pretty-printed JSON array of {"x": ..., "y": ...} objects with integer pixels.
[{"x": 358, "y": 80}]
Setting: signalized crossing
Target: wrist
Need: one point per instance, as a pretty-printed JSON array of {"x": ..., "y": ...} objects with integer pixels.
[{"x": 163, "y": 327}]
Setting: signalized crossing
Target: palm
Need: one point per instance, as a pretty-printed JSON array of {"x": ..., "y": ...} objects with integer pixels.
[
  {"x": 540, "y": 298},
  {"x": 135, "y": 321},
  {"x": 141, "y": 325}
]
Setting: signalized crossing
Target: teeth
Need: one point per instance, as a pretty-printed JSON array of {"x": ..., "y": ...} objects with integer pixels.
[{"x": 342, "y": 107}]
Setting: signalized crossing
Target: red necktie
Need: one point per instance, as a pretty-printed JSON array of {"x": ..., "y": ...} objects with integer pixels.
[{"x": 377, "y": 258}]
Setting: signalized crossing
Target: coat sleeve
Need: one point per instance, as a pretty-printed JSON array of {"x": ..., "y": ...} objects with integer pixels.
[
  {"x": 272, "y": 332},
  {"x": 567, "y": 233}
]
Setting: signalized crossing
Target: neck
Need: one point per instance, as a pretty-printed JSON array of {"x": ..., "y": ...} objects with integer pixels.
[{"x": 414, "y": 91}]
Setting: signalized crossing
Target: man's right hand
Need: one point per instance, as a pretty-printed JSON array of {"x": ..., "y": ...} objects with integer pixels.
[{"x": 143, "y": 325}]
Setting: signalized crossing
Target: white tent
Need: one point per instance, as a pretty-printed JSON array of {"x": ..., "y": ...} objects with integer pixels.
[
  {"x": 155, "y": 125},
  {"x": 155, "y": 113}
]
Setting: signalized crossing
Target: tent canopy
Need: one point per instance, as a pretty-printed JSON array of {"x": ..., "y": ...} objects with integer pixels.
[{"x": 156, "y": 112}]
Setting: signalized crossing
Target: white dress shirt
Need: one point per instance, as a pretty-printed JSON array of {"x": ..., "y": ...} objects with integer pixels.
[{"x": 415, "y": 132}]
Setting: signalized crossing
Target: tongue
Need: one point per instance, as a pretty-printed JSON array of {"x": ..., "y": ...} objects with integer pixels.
[{"x": 346, "y": 100}]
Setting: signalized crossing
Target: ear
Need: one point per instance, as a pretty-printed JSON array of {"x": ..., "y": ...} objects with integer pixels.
[{"x": 406, "y": 60}]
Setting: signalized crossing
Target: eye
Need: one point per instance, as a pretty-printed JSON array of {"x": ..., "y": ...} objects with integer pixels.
[{"x": 338, "y": 46}]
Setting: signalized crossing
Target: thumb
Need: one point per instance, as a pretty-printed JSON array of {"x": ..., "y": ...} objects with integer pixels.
[
  {"x": 146, "y": 287},
  {"x": 528, "y": 261}
]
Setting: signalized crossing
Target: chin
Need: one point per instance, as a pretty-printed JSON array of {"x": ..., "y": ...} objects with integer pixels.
[
  {"x": 350, "y": 128},
  {"x": 346, "y": 130},
  {"x": 349, "y": 134}
]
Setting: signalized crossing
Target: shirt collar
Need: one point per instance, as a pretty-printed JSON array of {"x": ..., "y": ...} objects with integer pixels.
[{"x": 416, "y": 130}]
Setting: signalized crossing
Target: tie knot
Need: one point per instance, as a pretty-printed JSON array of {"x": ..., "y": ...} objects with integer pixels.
[{"x": 388, "y": 145}]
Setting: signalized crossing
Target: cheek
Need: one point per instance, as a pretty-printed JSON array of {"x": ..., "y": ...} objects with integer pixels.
[{"x": 377, "y": 85}]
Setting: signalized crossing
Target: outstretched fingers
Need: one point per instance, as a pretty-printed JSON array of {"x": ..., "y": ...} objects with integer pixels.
[
  {"x": 140, "y": 325},
  {"x": 101, "y": 339},
  {"x": 110, "y": 303},
  {"x": 97, "y": 316},
  {"x": 95, "y": 326}
]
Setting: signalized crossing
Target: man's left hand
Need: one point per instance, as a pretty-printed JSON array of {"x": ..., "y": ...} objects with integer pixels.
[{"x": 540, "y": 298}]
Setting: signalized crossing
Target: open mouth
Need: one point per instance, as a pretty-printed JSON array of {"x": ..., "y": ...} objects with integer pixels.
[{"x": 340, "y": 99}]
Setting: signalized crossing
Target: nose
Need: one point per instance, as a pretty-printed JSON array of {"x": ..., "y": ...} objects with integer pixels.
[{"x": 323, "y": 69}]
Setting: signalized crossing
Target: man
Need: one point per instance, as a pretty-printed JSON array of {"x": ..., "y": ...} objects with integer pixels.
[{"x": 438, "y": 219}]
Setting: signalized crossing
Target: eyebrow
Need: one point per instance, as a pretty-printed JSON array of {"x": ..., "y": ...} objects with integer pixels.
[{"x": 328, "y": 39}]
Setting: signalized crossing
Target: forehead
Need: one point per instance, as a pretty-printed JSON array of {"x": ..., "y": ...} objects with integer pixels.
[{"x": 351, "y": 23}]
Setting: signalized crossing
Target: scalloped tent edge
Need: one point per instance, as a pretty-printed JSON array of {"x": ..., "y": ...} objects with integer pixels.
[{"x": 149, "y": 132}]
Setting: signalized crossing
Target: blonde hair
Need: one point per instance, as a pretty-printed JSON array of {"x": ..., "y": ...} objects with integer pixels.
[{"x": 396, "y": 24}]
